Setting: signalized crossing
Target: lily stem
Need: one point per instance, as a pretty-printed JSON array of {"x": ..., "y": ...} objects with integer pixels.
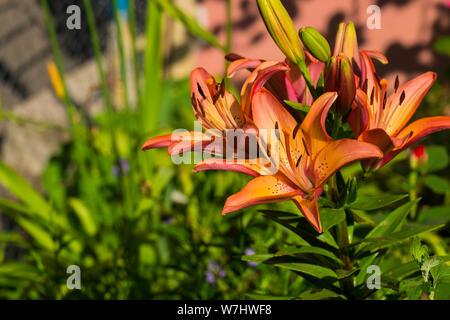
[
  {"x": 342, "y": 239},
  {"x": 337, "y": 123},
  {"x": 413, "y": 178},
  {"x": 304, "y": 70}
]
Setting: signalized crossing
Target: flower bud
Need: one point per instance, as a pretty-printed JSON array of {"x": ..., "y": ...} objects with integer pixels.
[
  {"x": 281, "y": 28},
  {"x": 316, "y": 43},
  {"x": 418, "y": 157},
  {"x": 55, "y": 79},
  {"x": 339, "y": 77},
  {"x": 347, "y": 42}
]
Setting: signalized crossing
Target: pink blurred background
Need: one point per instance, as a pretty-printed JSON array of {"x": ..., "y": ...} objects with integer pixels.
[{"x": 408, "y": 31}]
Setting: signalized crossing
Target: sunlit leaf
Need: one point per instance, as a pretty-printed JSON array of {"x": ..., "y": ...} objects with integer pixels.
[{"x": 376, "y": 202}]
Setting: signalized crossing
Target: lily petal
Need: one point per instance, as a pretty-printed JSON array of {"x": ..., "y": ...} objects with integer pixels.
[
  {"x": 377, "y": 56},
  {"x": 158, "y": 142},
  {"x": 416, "y": 131},
  {"x": 189, "y": 141},
  {"x": 240, "y": 64},
  {"x": 359, "y": 117},
  {"x": 382, "y": 140},
  {"x": 262, "y": 189},
  {"x": 313, "y": 125},
  {"x": 253, "y": 168},
  {"x": 256, "y": 81},
  {"x": 340, "y": 153},
  {"x": 369, "y": 83},
  {"x": 267, "y": 112},
  {"x": 402, "y": 105},
  {"x": 309, "y": 209}
]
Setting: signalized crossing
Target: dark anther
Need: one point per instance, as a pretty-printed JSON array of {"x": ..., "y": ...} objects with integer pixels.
[
  {"x": 402, "y": 97},
  {"x": 298, "y": 161},
  {"x": 304, "y": 145},
  {"x": 201, "y": 91},
  {"x": 294, "y": 133}
]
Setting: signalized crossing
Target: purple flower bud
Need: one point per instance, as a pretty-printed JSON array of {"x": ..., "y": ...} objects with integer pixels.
[
  {"x": 210, "y": 277},
  {"x": 250, "y": 252},
  {"x": 167, "y": 220},
  {"x": 124, "y": 165},
  {"x": 115, "y": 171}
]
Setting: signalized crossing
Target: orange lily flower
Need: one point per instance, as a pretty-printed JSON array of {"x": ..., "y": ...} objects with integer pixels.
[
  {"x": 216, "y": 109},
  {"x": 383, "y": 121},
  {"x": 307, "y": 156},
  {"x": 289, "y": 85}
]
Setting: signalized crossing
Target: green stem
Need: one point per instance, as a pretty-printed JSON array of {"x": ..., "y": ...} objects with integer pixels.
[
  {"x": 304, "y": 70},
  {"x": 342, "y": 239},
  {"x": 337, "y": 123},
  {"x": 120, "y": 45},
  {"x": 133, "y": 33},
  {"x": 105, "y": 90},
  {"x": 413, "y": 177}
]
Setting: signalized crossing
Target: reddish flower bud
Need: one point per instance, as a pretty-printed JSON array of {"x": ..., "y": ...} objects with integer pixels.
[
  {"x": 339, "y": 77},
  {"x": 418, "y": 157}
]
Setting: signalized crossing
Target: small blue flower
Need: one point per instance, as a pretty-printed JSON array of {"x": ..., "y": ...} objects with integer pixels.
[
  {"x": 167, "y": 220},
  {"x": 250, "y": 252},
  {"x": 210, "y": 277},
  {"x": 123, "y": 166},
  {"x": 214, "y": 270}
]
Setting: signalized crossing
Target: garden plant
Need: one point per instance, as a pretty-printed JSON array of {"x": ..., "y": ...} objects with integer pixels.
[{"x": 321, "y": 190}]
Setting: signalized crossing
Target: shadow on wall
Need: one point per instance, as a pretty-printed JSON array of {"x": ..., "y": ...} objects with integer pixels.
[{"x": 403, "y": 58}]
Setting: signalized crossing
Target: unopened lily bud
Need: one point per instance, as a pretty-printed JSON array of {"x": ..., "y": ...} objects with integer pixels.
[
  {"x": 418, "y": 157},
  {"x": 316, "y": 43},
  {"x": 347, "y": 42},
  {"x": 281, "y": 28},
  {"x": 339, "y": 77}
]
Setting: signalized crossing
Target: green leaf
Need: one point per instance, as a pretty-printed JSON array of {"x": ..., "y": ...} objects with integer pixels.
[
  {"x": 330, "y": 217},
  {"x": 437, "y": 159},
  {"x": 362, "y": 217},
  {"x": 24, "y": 191},
  {"x": 403, "y": 270},
  {"x": 255, "y": 296},
  {"x": 309, "y": 269},
  {"x": 441, "y": 282},
  {"x": 42, "y": 237},
  {"x": 306, "y": 234},
  {"x": 308, "y": 250},
  {"x": 259, "y": 258},
  {"x": 418, "y": 251},
  {"x": 342, "y": 273},
  {"x": 375, "y": 202},
  {"x": 320, "y": 295},
  {"x": 437, "y": 184},
  {"x": 435, "y": 215},
  {"x": 298, "y": 106},
  {"x": 84, "y": 215},
  {"x": 190, "y": 23},
  {"x": 442, "y": 45},
  {"x": 427, "y": 265},
  {"x": 383, "y": 242},
  {"x": 392, "y": 222},
  {"x": 412, "y": 287}
]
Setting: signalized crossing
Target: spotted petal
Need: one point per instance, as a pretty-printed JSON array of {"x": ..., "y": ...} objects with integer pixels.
[
  {"x": 262, "y": 189},
  {"x": 309, "y": 209},
  {"x": 339, "y": 153}
]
